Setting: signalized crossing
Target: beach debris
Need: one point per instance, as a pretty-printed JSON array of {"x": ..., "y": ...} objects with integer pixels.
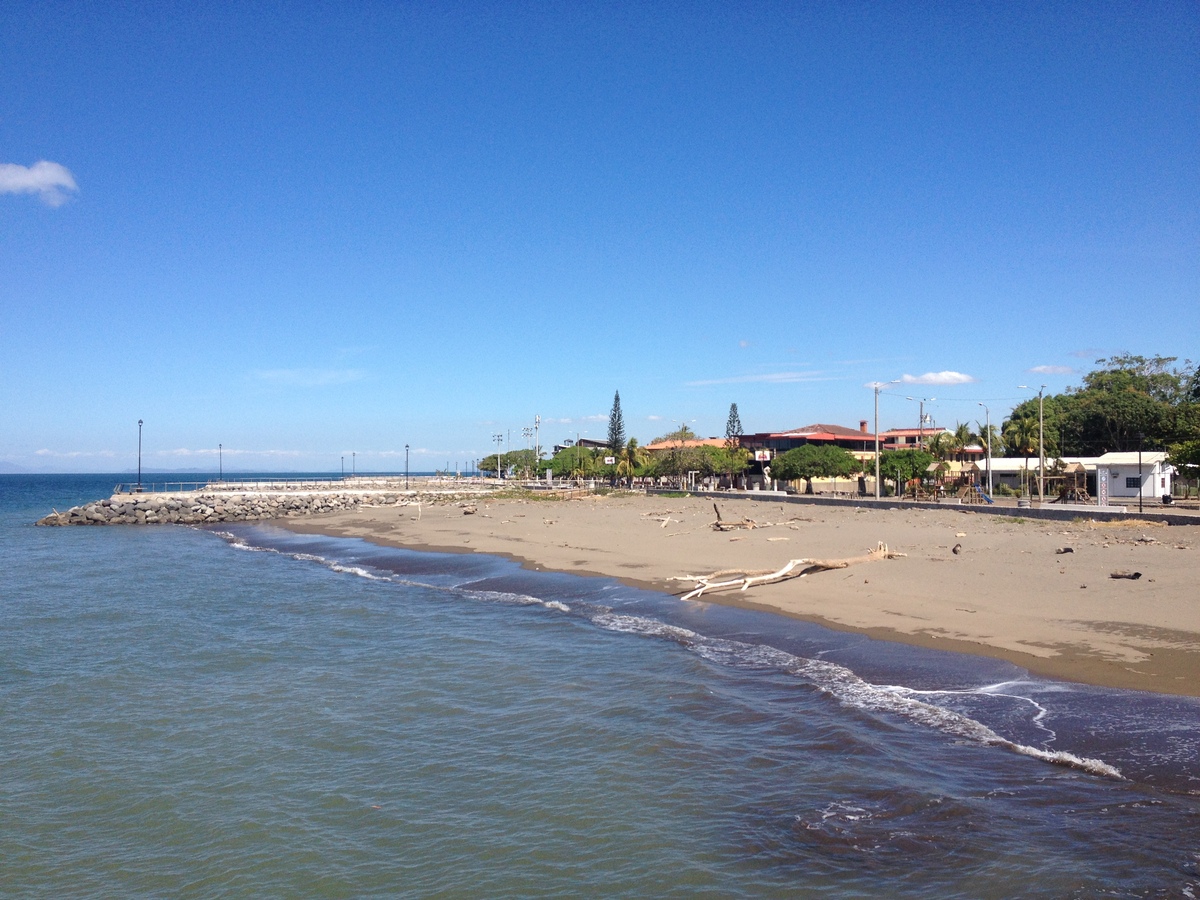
[
  {"x": 778, "y": 539},
  {"x": 1061, "y": 550},
  {"x": 1146, "y": 539},
  {"x": 960, "y": 534},
  {"x": 469, "y": 510},
  {"x": 956, "y": 549},
  {"x": 741, "y": 579},
  {"x": 1121, "y": 573}
]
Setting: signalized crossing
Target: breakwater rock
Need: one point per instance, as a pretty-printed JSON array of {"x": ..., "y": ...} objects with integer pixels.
[{"x": 199, "y": 508}]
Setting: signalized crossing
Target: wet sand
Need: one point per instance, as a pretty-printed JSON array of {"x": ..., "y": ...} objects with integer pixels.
[{"x": 1006, "y": 593}]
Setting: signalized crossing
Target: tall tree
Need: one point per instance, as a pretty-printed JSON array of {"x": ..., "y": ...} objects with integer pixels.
[
  {"x": 616, "y": 427},
  {"x": 942, "y": 445},
  {"x": 963, "y": 438},
  {"x": 1020, "y": 437},
  {"x": 733, "y": 427}
]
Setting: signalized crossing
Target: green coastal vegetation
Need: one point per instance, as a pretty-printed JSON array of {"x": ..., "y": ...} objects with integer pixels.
[{"x": 1127, "y": 403}]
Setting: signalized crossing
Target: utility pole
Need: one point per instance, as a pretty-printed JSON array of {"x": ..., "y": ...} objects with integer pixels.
[
  {"x": 921, "y": 420},
  {"x": 221, "y": 462},
  {"x": 139, "y": 455},
  {"x": 498, "y": 438},
  {"x": 406, "y": 467}
]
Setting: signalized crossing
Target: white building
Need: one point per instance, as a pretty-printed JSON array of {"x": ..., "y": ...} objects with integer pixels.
[
  {"x": 1124, "y": 480},
  {"x": 1111, "y": 476}
]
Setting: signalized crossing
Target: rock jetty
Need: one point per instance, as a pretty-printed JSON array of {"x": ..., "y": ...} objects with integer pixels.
[{"x": 208, "y": 507}]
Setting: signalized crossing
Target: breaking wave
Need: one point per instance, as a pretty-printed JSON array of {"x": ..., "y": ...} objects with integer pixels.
[{"x": 847, "y": 688}]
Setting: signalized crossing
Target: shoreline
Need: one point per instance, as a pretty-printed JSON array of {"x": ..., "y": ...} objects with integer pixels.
[{"x": 1006, "y": 593}]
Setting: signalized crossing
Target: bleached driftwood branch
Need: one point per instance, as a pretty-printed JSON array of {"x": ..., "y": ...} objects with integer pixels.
[{"x": 794, "y": 568}]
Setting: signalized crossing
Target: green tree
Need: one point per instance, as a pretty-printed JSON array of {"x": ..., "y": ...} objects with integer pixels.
[
  {"x": 616, "y": 426},
  {"x": 963, "y": 438},
  {"x": 989, "y": 440},
  {"x": 814, "y": 461},
  {"x": 1185, "y": 457},
  {"x": 678, "y": 436},
  {"x": 572, "y": 462},
  {"x": 1020, "y": 439},
  {"x": 902, "y": 466},
  {"x": 942, "y": 445},
  {"x": 632, "y": 459},
  {"x": 733, "y": 427}
]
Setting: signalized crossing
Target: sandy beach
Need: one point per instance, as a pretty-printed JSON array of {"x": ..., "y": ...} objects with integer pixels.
[{"x": 970, "y": 583}]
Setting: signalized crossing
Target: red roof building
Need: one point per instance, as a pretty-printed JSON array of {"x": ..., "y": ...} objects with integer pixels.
[{"x": 859, "y": 442}]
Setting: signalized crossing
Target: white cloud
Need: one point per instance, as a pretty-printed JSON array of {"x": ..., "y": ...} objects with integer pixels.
[
  {"x": 938, "y": 378},
  {"x": 768, "y": 378},
  {"x": 1052, "y": 370},
  {"x": 73, "y": 454},
  {"x": 654, "y": 418},
  {"x": 51, "y": 182},
  {"x": 743, "y": 344},
  {"x": 221, "y": 451},
  {"x": 309, "y": 377}
]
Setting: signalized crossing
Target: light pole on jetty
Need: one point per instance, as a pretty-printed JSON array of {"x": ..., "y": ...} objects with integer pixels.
[
  {"x": 220, "y": 462},
  {"x": 406, "y": 467},
  {"x": 353, "y": 463},
  {"x": 343, "y": 468},
  {"x": 139, "y": 455}
]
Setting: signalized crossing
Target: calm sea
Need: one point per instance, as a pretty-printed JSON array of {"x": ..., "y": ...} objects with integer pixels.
[{"x": 194, "y": 713}]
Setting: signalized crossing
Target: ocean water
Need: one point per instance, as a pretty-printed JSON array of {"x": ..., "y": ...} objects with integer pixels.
[{"x": 196, "y": 713}]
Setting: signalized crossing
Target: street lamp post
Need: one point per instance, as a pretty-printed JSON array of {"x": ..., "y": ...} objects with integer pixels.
[
  {"x": 139, "y": 455},
  {"x": 406, "y": 467},
  {"x": 988, "y": 441},
  {"x": 221, "y": 462},
  {"x": 878, "y": 385},
  {"x": 343, "y": 468},
  {"x": 353, "y": 463},
  {"x": 499, "y": 439}
]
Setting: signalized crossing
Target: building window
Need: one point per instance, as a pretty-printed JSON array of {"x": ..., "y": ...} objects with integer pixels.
[{"x": 1133, "y": 482}]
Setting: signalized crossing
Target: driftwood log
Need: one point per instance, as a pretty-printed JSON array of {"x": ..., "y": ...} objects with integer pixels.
[{"x": 741, "y": 579}]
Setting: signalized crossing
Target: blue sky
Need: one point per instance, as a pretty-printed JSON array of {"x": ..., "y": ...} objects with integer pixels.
[{"x": 305, "y": 231}]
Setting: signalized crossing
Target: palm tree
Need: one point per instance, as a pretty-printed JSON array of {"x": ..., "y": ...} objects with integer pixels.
[
  {"x": 989, "y": 442},
  {"x": 941, "y": 445},
  {"x": 963, "y": 438},
  {"x": 1020, "y": 436},
  {"x": 632, "y": 458}
]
